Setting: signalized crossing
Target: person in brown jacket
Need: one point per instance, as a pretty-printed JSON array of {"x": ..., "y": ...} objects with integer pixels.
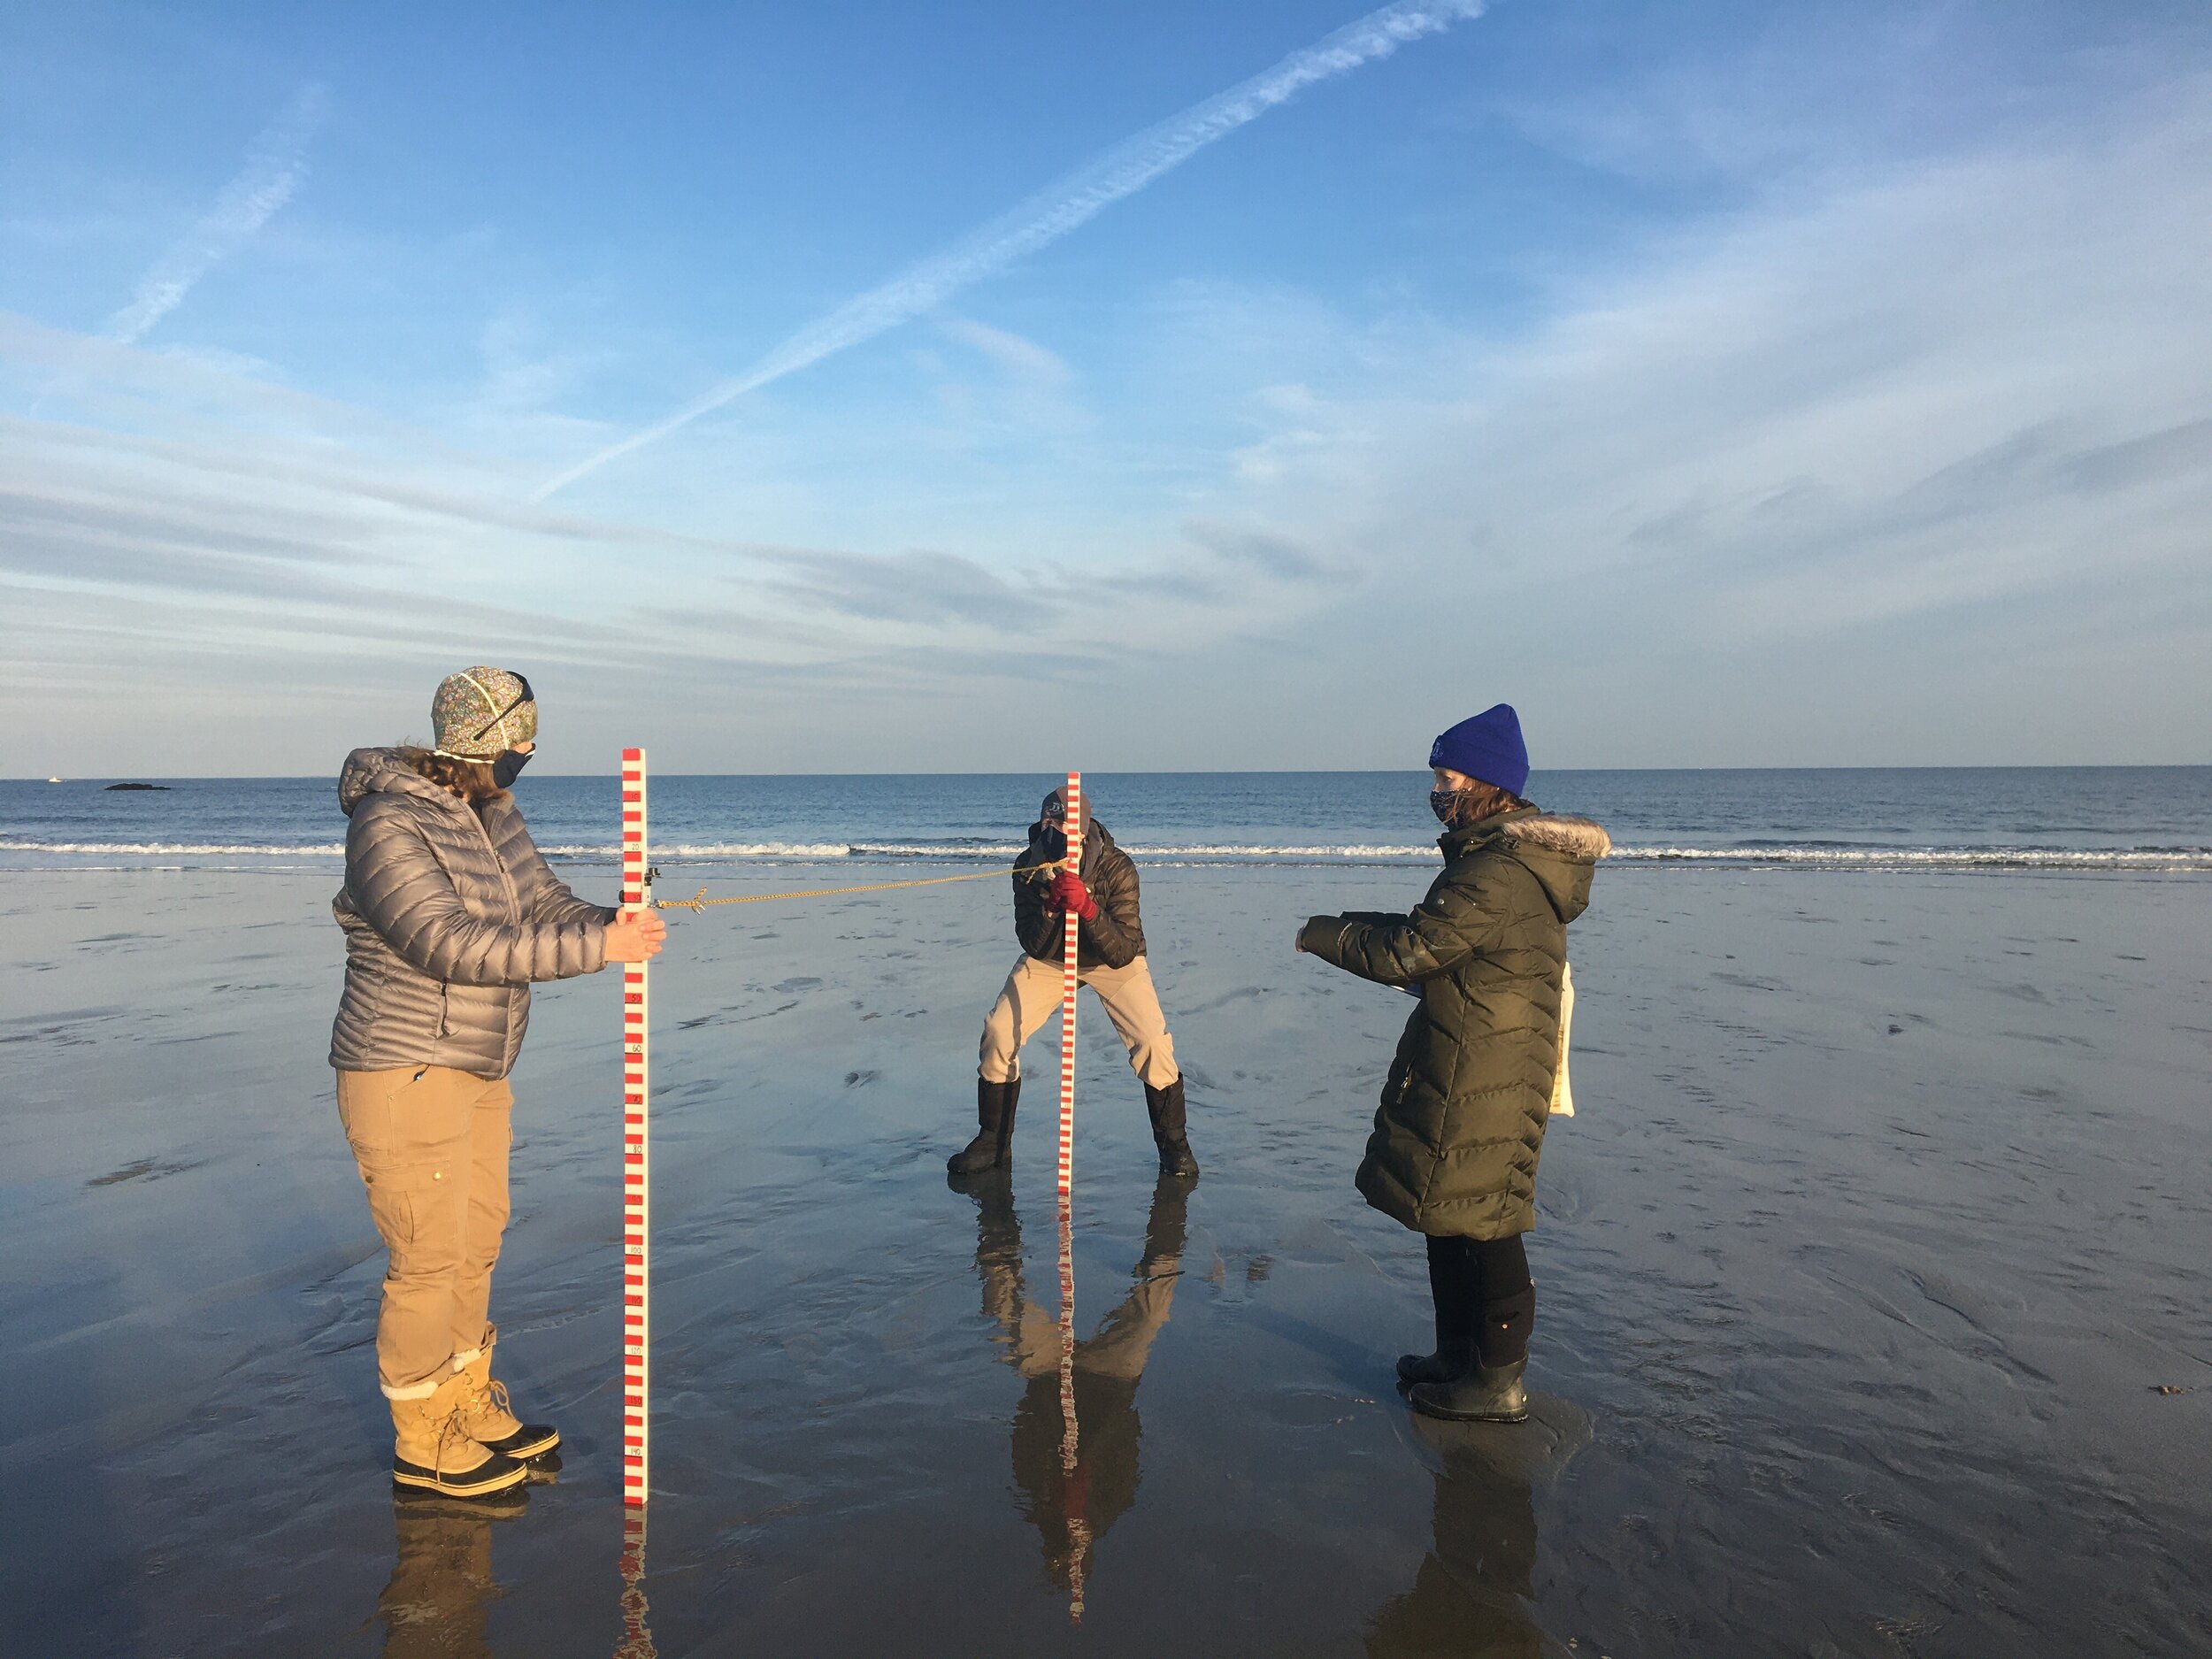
[
  {"x": 1110, "y": 959},
  {"x": 449, "y": 913}
]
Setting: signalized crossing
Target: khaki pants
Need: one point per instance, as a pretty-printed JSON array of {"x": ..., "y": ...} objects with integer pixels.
[
  {"x": 1031, "y": 996},
  {"x": 432, "y": 1145}
]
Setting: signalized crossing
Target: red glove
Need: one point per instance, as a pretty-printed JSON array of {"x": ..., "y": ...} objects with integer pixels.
[{"x": 1069, "y": 893}]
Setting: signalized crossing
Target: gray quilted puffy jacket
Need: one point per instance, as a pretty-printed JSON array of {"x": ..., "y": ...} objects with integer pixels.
[{"x": 448, "y": 917}]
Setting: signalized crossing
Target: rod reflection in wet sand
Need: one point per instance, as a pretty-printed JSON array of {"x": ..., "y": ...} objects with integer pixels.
[
  {"x": 1071, "y": 1425},
  {"x": 1073, "y": 1504},
  {"x": 637, "y": 1636},
  {"x": 438, "y": 1600},
  {"x": 1071, "y": 1435}
]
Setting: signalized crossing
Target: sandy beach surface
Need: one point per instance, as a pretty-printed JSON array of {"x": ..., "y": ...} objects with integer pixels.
[{"x": 1883, "y": 1223}]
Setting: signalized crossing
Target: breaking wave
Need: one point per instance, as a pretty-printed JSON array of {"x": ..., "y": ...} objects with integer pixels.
[
  {"x": 1831, "y": 857},
  {"x": 178, "y": 849}
]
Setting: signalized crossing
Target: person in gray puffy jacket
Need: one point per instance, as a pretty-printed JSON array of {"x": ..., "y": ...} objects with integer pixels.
[{"x": 450, "y": 912}]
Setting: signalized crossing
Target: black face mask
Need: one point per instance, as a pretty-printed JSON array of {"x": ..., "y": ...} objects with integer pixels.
[
  {"x": 508, "y": 767},
  {"x": 1446, "y": 804}
]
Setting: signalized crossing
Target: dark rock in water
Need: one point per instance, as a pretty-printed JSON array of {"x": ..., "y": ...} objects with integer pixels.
[{"x": 162, "y": 789}]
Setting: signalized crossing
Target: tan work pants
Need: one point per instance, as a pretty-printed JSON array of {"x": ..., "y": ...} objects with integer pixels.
[
  {"x": 432, "y": 1145},
  {"x": 1031, "y": 996}
]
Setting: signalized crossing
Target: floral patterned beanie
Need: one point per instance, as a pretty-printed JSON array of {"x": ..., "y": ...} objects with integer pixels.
[{"x": 481, "y": 712}]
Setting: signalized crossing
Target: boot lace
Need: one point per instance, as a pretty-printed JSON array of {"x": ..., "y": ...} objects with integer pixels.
[
  {"x": 487, "y": 1400},
  {"x": 454, "y": 1427},
  {"x": 492, "y": 1397}
]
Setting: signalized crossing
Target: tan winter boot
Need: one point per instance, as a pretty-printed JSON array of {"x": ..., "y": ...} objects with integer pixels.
[
  {"x": 486, "y": 1416},
  {"x": 433, "y": 1450}
]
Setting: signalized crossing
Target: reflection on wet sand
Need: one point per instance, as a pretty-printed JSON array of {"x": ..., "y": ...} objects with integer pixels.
[
  {"x": 1471, "y": 1598},
  {"x": 1072, "y": 1508},
  {"x": 637, "y": 1635},
  {"x": 441, "y": 1586}
]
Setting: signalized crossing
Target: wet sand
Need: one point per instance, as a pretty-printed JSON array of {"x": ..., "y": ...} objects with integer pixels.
[{"x": 1882, "y": 1221}]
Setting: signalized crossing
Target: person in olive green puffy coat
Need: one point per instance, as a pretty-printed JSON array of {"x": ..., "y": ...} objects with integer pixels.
[{"x": 1461, "y": 1126}]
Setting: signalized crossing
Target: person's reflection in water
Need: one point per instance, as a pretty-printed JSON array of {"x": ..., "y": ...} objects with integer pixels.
[
  {"x": 441, "y": 1586},
  {"x": 1108, "y": 1367},
  {"x": 1470, "y": 1597}
]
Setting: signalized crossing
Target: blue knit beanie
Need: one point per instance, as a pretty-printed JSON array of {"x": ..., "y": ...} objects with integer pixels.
[{"x": 1487, "y": 746}]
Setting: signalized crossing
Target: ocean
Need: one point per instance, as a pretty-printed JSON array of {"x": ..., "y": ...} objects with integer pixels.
[{"x": 2089, "y": 819}]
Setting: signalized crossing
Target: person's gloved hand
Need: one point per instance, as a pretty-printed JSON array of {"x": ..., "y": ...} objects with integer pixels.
[{"x": 1069, "y": 893}]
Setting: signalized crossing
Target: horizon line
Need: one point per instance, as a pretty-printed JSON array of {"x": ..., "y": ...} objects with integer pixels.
[{"x": 1185, "y": 771}]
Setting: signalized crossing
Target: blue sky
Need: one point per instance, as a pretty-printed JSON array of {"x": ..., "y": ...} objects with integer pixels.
[{"x": 1722, "y": 383}]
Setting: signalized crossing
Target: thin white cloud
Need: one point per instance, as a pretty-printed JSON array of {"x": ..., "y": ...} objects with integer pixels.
[
  {"x": 274, "y": 167},
  {"x": 1060, "y": 208},
  {"x": 1010, "y": 351}
]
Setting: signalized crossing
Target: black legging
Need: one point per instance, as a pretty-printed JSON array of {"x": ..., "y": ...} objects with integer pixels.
[{"x": 1485, "y": 1299}]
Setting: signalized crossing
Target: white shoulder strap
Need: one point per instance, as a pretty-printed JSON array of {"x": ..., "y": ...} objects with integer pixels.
[{"x": 1563, "y": 1100}]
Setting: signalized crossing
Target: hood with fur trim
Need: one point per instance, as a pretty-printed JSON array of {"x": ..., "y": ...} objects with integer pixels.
[
  {"x": 1563, "y": 833},
  {"x": 1560, "y": 850}
]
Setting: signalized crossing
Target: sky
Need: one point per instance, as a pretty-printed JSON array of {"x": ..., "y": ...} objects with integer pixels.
[{"x": 844, "y": 387}]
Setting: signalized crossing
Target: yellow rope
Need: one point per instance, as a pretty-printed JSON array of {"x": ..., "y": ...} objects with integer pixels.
[{"x": 700, "y": 901}]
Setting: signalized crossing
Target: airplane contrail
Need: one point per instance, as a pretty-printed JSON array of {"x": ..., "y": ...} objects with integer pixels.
[
  {"x": 275, "y": 166},
  {"x": 1058, "y": 209}
]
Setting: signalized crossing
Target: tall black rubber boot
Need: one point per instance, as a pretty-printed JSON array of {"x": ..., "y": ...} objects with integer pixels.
[
  {"x": 1507, "y": 1322},
  {"x": 1489, "y": 1393},
  {"x": 1164, "y": 1107},
  {"x": 994, "y": 1128},
  {"x": 1457, "y": 1290},
  {"x": 1493, "y": 1391}
]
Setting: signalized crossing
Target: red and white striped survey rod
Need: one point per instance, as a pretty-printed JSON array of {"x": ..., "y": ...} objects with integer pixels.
[
  {"x": 1078, "y": 1532},
  {"x": 1069, "y": 946},
  {"x": 637, "y": 894}
]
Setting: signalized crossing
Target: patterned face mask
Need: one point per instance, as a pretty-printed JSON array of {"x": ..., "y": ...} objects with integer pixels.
[{"x": 1446, "y": 804}]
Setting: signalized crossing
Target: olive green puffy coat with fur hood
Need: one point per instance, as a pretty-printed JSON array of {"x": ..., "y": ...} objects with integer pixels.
[
  {"x": 1463, "y": 1110},
  {"x": 449, "y": 914}
]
